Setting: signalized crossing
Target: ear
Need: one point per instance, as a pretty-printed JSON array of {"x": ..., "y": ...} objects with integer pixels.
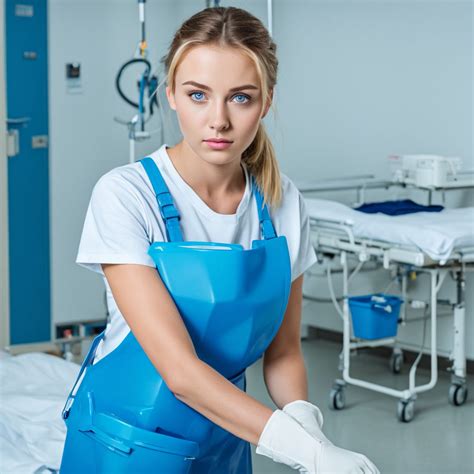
[
  {"x": 269, "y": 103},
  {"x": 170, "y": 96}
]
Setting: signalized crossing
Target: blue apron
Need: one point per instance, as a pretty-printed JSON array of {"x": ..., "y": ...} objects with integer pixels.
[{"x": 123, "y": 418}]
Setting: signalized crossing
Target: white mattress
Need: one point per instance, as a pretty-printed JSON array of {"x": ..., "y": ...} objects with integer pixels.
[
  {"x": 437, "y": 234},
  {"x": 33, "y": 390}
]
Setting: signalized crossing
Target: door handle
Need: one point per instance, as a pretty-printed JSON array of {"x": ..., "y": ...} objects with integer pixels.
[{"x": 18, "y": 121}]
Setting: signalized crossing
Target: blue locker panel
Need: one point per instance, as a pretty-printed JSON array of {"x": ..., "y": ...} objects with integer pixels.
[{"x": 28, "y": 179}]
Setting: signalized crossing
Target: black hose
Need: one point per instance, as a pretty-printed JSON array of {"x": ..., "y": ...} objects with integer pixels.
[{"x": 119, "y": 75}]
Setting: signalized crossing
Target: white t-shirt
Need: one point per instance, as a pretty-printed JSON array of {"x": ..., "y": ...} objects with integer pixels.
[{"x": 123, "y": 219}]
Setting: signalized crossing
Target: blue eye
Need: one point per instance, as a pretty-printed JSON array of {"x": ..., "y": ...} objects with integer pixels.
[
  {"x": 247, "y": 98},
  {"x": 194, "y": 93}
]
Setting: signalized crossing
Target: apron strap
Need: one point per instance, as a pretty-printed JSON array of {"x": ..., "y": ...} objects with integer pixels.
[
  {"x": 168, "y": 211},
  {"x": 266, "y": 224},
  {"x": 87, "y": 362}
]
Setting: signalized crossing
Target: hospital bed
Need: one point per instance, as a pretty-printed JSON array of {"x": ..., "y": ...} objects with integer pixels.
[
  {"x": 438, "y": 244},
  {"x": 33, "y": 388},
  {"x": 35, "y": 381}
]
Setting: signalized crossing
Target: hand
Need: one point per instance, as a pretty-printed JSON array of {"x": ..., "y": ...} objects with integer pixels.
[
  {"x": 330, "y": 458},
  {"x": 284, "y": 440}
]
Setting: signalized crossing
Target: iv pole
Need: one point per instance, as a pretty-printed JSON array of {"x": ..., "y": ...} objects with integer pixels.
[{"x": 147, "y": 82}]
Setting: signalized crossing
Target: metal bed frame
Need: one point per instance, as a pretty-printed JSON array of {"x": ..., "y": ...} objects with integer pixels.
[{"x": 334, "y": 238}]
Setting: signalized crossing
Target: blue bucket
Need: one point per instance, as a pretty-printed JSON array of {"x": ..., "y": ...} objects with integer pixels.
[{"x": 375, "y": 316}]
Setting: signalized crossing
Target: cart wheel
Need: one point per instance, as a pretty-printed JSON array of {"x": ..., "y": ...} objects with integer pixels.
[
  {"x": 457, "y": 394},
  {"x": 406, "y": 410},
  {"x": 396, "y": 362},
  {"x": 337, "y": 398}
]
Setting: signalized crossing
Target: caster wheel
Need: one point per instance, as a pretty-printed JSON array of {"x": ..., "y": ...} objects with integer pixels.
[
  {"x": 396, "y": 362},
  {"x": 406, "y": 410},
  {"x": 457, "y": 394},
  {"x": 337, "y": 399}
]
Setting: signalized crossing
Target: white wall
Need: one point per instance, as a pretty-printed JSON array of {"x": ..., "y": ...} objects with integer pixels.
[
  {"x": 4, "y": 278},
  {"x": 85, "y": 140},
  {"x": 359, "y": 80}
]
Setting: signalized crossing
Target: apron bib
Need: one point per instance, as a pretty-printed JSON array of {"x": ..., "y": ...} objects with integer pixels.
[{"x": 123, "y": 418}]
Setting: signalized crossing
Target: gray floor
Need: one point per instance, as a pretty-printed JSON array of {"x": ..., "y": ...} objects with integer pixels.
[{"x": 438, "y": 440}]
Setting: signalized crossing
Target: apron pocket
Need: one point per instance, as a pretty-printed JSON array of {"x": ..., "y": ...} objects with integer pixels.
[{"x": 122, "y": 448}]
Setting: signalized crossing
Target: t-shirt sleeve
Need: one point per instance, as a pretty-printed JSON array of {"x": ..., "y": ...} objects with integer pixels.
[
  {"x": 305, "y": 254},
  {"x": 115, "y": 228}
]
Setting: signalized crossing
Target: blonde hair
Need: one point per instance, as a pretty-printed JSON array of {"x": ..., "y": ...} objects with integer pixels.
[{"x": 237, "y": 28}]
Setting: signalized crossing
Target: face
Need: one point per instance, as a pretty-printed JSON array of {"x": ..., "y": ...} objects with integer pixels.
[{"x": 217, "y": 95}]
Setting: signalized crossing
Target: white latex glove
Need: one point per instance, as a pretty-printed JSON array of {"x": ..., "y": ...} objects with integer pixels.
[
  {"x": 284, "y": 440},
  {"x": 329, "y": 458}
]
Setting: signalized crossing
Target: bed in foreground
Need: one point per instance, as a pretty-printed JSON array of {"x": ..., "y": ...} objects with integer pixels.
[{"x": 33, "y": 390}]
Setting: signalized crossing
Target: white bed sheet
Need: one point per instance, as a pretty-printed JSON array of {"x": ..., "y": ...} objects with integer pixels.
[
  {"x": 33, "y": 390},
  {"x": 437, "y": 234}
]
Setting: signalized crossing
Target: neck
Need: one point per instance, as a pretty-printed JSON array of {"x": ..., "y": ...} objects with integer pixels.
[{"x": 207, "y": 179}]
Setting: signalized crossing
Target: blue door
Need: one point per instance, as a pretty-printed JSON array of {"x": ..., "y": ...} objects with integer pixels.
[{"x": 28, "y": 180}]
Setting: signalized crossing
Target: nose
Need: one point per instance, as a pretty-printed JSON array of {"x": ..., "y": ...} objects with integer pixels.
[{"x": 219, "y": 119}]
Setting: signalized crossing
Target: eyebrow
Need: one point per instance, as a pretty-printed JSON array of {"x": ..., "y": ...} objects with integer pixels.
[{"x": 202, "y": 86}]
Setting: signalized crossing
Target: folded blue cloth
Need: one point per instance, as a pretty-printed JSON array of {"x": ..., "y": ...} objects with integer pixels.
[{"x": 397, "y": 208}]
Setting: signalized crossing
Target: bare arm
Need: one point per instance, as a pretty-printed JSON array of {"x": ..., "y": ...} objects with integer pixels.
[
  {"x": 283, "y": 363},
  {"x": 155, "y": 321}
]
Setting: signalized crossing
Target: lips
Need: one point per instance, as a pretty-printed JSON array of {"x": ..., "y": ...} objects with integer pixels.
[{"x": 217, "y": 140}]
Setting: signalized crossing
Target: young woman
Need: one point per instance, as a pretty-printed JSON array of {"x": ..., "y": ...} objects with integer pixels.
[{"x": 163, "y": 388}]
